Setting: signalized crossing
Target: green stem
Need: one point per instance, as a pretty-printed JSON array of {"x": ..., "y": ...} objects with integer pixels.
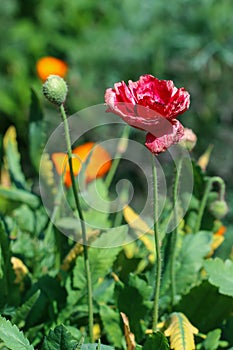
[
  {"x": 121, "y": 147},
  {"x": 52, "y": 238},
  {"x": 175, "y": 231},
  {"x": 208, "y": 188},
  {"x": 83, "y": 227},
  {"x": 157, "y": 248}
]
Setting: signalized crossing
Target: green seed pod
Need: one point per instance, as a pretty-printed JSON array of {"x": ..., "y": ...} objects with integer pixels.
[
  {"x": 218, "y": 209},
  {"x": 55, "y": 89}
]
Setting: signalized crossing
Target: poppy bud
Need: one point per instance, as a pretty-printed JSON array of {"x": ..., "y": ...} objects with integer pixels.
[
  {"x": 55, "y": 89},
  {"x": 218, "y": 209},
  {"x": 189, "y": 139}
]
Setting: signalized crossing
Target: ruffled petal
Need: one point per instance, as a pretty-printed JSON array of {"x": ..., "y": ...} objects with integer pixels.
[{"x": 160, "y": 144}]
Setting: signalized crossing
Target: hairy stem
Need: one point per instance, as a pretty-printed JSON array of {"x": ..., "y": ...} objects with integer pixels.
[
  {"x": 175, "y": 231},
  {"x": 157, "y": 249},
  {"x": 83, "y": 227}
]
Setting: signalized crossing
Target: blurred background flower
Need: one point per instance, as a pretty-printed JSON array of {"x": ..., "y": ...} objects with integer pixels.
[
  {"x": 48, "y": 65},
  {"x": 96, "y": 159}
]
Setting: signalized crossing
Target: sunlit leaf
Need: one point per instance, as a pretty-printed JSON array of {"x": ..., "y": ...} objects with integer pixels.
[
  {"x": 220, "y": 274},
  {"x": 135, "y": 221},
  {"x": 12, "y": 337},
  {"x": 204, "y": 159},
  {"x": 180, "y": 331}
]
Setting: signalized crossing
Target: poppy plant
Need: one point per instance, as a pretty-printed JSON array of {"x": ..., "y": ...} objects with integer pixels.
[
  {"x": 152, "y": 105},
  {"x": 51, "y": 65},
  {"x": 97, "y": 158}
]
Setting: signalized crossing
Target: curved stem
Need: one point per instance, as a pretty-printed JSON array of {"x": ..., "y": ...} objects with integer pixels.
[
  {"x": 175, "y": 231},
  {"x": 83, "y": 227},
  {"x": 121, "y": 147},
  {"x": 157, "y": 248},
  {"x": 208, "y": 188}
]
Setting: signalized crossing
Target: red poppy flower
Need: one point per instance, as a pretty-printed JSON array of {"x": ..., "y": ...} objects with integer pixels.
[{"x": 152, "y": 105}]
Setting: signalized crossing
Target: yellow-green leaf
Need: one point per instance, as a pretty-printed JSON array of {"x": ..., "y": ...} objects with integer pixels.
[
  {"x": 13, "y": 158},
  {"x": 180, "y": 331},
  {"x": 134, "y": 220}
]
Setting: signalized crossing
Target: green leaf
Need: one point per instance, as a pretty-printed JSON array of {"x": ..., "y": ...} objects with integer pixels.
[
  {"x": 140, "y": 292},
  {"x": 12, "y": 337},
  {"x": 23, "y": 311},
  {"x": 50, "y": 301},
  {"x": 199, "y": 180},
  {"x": 9, "y": 292},
  {"x": 95, "y": 347},
  {"x": 190, "y": 259},
  {"x": 111, "y": 322},
  {"x": 37, "y": 128},
  {"x": 59, "y": 339},
  {"x": 220, "y": 274},
  {"x": 101, "y": 259},
  {"x": 212, "y": 340},
  {"x": 194, "y": 249},
  {"x": 206, "y": 307},
  {"x": 13, "y": 158},
  {"x": 11, "y": 198},
  {"x": 156, "y": 341}
]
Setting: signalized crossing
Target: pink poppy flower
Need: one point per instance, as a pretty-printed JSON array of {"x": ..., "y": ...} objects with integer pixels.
[{"x": 152, "y": 105}]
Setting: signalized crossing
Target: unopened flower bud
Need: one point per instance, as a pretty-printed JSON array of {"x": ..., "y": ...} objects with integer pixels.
[
  {"x": 189, "y": 139},
  {"x": 218, "y": 209},
  {"x": 55, "y": 89}
]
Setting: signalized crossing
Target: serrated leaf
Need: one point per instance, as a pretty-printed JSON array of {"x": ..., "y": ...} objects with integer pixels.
[
  {"x": 12, "y": 337},
  {"x": 23, "y": 311},
  {"x": 206, "y": 306},
  {"x": 139, "y": 291},
  {"x": 113, "y": 238},
  {"x": 156, "y": 341},
  {"x": 101, "y": 259},
  {"x": 13, "y": 158},
  {"x": 59, "y": 339},
  {"x": 180, "y": 331},
  {"x": 190, "y": 259},
  {"x": 37, "y": 127},
  {"x": 111, "y": 323},
  {"x": 220, "y": 274}
]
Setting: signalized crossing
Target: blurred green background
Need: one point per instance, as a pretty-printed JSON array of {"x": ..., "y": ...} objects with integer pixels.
[{"x": 190, "y": 42}]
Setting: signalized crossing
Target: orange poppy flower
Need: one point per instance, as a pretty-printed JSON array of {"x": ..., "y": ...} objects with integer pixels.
[
  {"x": 99, "y": 162},
  {"x": 50, "y": 65}
]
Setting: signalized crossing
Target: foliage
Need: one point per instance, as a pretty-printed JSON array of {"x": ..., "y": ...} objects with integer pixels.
[{"x": 43, "y": 301}]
